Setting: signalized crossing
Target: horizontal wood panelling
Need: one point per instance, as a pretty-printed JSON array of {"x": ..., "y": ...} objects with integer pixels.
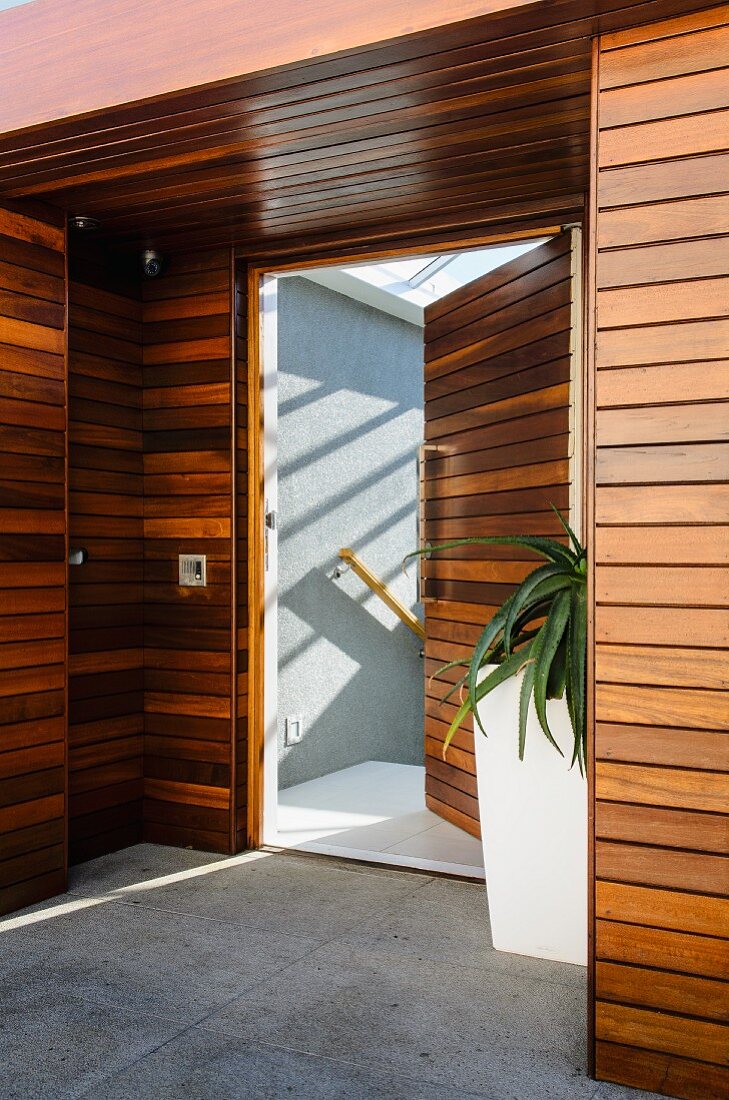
[
  {"x": 661, "y": 627},
  {"x": 187, "y": 508},
  {"x": 663, "y": 745},
  {"x": 673, "y": 828},
  {"x": 477, "y": 129},
  {"x": 33, "y": 396},
  {"x": 664, "y": 665},
  {"x": 647, "y": 1069},
  {"x": 497, "y": 415},
  {"x": 673, "y": 869},
  {"x": 106, "y": 485},
  {"x": 678, "y": 992},
  {"x": 662, "y": 786},
  {"x": 686, "y": 953},
  {"x": 669, "y": 1034}
]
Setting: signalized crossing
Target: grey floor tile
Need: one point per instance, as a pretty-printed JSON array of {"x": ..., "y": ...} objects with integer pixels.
[
  {"x": 53, "y": 1046},
  {"x": 452, "y": 1025},
  {"x": 296, "y": 895},
  {"x": 448, "y": 921},
  {"x": 144, "y": 960},
  {"x": 622, "y": 1092},
  {"x": 307, "y": 977},
  {"x": 132, "y": 866},
  {"x": 201, "y": 1065}
]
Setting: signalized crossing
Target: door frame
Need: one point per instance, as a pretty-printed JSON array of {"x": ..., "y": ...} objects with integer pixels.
[{"x": 261, "y": 276}]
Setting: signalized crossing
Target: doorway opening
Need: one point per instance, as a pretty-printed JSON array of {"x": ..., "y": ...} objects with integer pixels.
[{"x": 366, "y": 455}]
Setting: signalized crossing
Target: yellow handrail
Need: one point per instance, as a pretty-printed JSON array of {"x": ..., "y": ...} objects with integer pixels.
[{"x": 380, "y": 589}]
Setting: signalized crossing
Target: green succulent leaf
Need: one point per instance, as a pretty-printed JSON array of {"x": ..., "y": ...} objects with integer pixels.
[
  {"x": 572, "y": 536},
  {"x": 497, "y": 676},
  {"x": 577, "y": 648},
  {"x": 558, "y": 672},
  {"x": 553, "y": 631},
  {"x": 497, "y": 653},
  {"x": 454, "y": 688},
  {"x": 552, "y": 653},
  {"x": 480, "y": 652},
  {"x": 524, "y": 597},
  {"x": 525, "y": 694},
  {"x": 544, "y": 547},
  {"x": 461, "y": 662},
  {"x": 456, "y": 724}
]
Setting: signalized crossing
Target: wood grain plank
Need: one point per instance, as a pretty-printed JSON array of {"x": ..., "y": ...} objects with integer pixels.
[
  {"x": 661, "y": 665},
  {"x": 652, "y": 947},
  {"x": 652, "y": 705},
  {"x": 662, "y": 586},
  {"x": 684, "y": 1036},
  {"x": 668, "y": 909},
  {"x": 666, "y": 992},
  {"x": 660, "y": 786},
  {"x": 652, "y": 1070},
  {"x": 650, "y": 865},
  {"x": 670, "y": 828}
]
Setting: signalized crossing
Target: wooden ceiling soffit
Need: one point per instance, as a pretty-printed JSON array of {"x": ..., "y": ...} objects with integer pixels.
[
  {"x": 442, "y": 128},
  {"x": 129, "y": 50}
]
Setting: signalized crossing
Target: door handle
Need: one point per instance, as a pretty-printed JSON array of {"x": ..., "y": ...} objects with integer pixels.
[
  {"x": 270, "y": 523},
  {"x": 424, "y": 450}
]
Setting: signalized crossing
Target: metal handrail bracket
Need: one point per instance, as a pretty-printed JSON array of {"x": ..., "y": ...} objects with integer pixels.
[{"x": 381, "y": 590}]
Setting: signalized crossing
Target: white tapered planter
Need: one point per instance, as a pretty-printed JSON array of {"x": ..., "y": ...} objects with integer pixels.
[{"x": 534, "y": 830}]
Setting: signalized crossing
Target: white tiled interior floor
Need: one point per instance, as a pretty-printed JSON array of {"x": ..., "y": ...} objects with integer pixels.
[{"x": 375, "y": 811}]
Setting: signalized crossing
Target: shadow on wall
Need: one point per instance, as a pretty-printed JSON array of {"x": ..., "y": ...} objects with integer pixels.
[
  {"x": 350, "y": 422},
  {"x": 339, "y": 623}
]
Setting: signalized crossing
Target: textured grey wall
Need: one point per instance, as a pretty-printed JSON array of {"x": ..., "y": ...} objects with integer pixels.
[{"x": 350, "y": 421}]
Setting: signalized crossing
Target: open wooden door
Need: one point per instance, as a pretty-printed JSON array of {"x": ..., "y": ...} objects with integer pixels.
[{"x": 498, "y": 363}]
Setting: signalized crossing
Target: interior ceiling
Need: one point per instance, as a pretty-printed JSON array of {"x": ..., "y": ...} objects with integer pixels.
[{"x": 480, "y": 122}]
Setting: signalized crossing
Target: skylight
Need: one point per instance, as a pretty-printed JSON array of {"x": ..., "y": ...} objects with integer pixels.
[
  {"x": 404, "y": 288},
  {"x": 422, "y": 280}
]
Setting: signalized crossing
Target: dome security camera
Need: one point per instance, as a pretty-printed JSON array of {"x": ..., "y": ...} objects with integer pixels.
[{"x": 153, "y": 263}]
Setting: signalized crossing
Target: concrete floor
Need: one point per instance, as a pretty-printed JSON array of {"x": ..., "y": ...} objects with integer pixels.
[{"x": 172, "y": 974}]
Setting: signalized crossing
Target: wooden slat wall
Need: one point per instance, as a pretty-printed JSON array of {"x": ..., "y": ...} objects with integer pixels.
[
  {"x": 188, "y": 703},
  {"x": 106, "y": 704},
  {"x": 661, "y": 547},
  {"x": 33, "y": 556},
  {"x": 497, "y": 397}
]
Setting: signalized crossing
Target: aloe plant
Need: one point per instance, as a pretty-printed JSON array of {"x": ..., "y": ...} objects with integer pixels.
[{"x": 552, "y": 653}]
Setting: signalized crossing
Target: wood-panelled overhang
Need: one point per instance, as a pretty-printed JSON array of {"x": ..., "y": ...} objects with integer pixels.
[
  {"x": 135, "y": 52},
  {"x": 141, "y": 51},
  {"x": 476, "y": 120}
]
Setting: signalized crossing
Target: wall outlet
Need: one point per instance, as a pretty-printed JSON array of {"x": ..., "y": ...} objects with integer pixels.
[
  {"x": 294, "y": 730},
  {"x": 193, "y": 571}
]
